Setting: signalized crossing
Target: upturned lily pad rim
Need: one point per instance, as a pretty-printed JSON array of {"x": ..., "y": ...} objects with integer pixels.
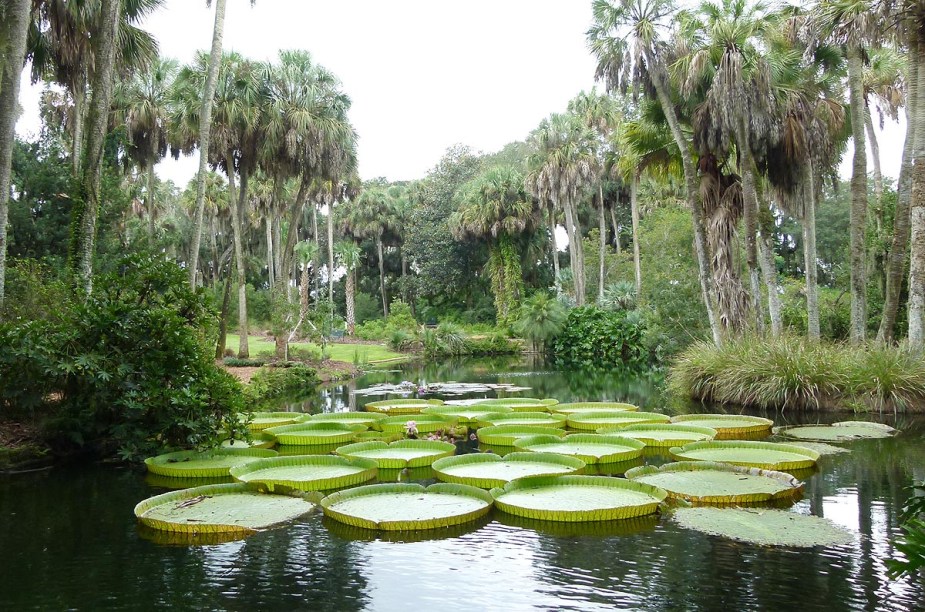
[
  {"x": 573, "y": 407},
  {"x": 504, "y": 435},
  {"x": 145, "y": 505},
  {"x": 791, "y": 487},
  {"x": 258, "y": 439},
  {"x": 328, "y": 503},
  {"x": 283, "y": 417},
  {"x": 757, "y": 424},
  {"x": 336, "y": 417},
  {"x": 593, "y": 420},
  {"x": 407, "y": 406},
  {"x": 628, "y": 448},
  {"x": 300, "y": 434},
  {"x": 367, "y": 470},
  {"x": 633, "y": 431},
  {"x": 443, "y": 467},
  {"x": 551, "y": 419},
  {"x": 440, "y": 449},
  {"x": 807, "y": 458},
  {"x": 425, "y": 423},
  {"x": 467, "y": 414},
  {"x": 511, "y": 401},
  {"x": 622, "y": 511},
  {"x": 170, "y": 464}
]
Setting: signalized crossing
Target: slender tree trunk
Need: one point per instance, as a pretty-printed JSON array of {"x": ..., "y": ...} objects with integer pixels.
[
  {"x": 330, "y": 223},
  {"x": 809, "y": 255},
  {"x": 271, "y": 278},
  {"x": 701, "y": 248},
  {"x": 385, "y": 299},
  {"x": 769, "y": 271},
  {"x": 858, "y": 199},
  {"x": 878, "y": 253},
  {"x": 80, "y": 115},
  {"x": 602, "y": 248},
  {"x": 223, "y": 318},
  {"x": 351, "y": 301},
  {"x": 85, "y": 212},
  {"x": 205, "y": 124},
  {"x": 12, "y": 53},
  {"x": 277, "y": 237},
  {"x": 237, "y": 232},
  {"x": 574, "y": 254},
  {"x": 750, "y": 221},
  {"x": 917, "y": 214},
  {"x": 896, "y": 264},
  {"x": 150, "y": 204},
  {"x": 214, "y": 241},
  {"x": 554, "y": 246},
  {"x": 616, "y": 229},
  {"x": 303, "y": 292},
  {"x": 315, "y": 263},
  {"x": 634, "y": 212}
]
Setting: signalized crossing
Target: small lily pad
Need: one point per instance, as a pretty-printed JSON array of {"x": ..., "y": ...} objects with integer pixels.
[
  {"x": 765, "y": 455},
  {"x": 208, "y": 464},
  {"x": 662, "y": 434},
  {"x": 728, "y": 425},
  {"x": 403, "y": 406},
  {"x": 590, "y": 448},
  {"x": 592, "y": 421},
  {"x": 422, "y": 423},
  {"x": 575, "y": 407},
  {"x": 845, "y": 431},
  {"x": 764, "y": 526},
  {"x": 533, "y": 419},
  {"x": 706, "y": 482},
  {"x": 485, "y": 470},
  {"x": 310, "y": 434},
  {"x": 505, "y": 435},
  {"x": 400, "y": 454},
  {"x": 306, "y": 473}
]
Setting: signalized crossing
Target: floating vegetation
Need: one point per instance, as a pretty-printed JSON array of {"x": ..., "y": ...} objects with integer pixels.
[
  {"x": 209, "y": 464},
  {"x": 590, "y": 448},
  {"x": 765, "y": 455},
  {"x": 705, "y": 482},
  {"x": 592, "y": 421},
  {"x": 407, "y": 506},
  {"x": 764, "y": 526},
  {"x": 820, "y": 447},
  {"x": 416, "y": 424},
  {"x": 234, "y": 508},
  {"x": 845, "y": 431},
  {"x": 485, "y": 470},
  {"x": 728, "y": 425},
  {"x": 263, "y": 420},
  {"x": 306, "y": 473},
  {"x": 447, "y": 388},
  {"x": 535, "y": 419},
  {"x": 617, "y": 468},
  {"x": 577, "y": 498},
  {"x": 258, "y": 439},
  {"x": 402, "y": 406},
  {"x": 406, "y": 474},
  {"x": 574, "y": 407},
  {"x": 400, "y": 454},
  {"x": 583, "y": 529},
  {"x": 467, "y": 415},
  {"x": 380, "y": 436},
  {"x": 505, "y": 435},
  {"x": 310, "y": 434},
  {"x": 520, "y": 404},
  {"x": 662, "y": 434},
  {"x": 295, "y": 450},
  {"x": 369, "y": 419}
]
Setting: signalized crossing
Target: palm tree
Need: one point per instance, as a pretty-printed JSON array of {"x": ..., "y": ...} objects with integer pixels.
[
  {"x": 348, "y": 254},
  {"x": 369, "y": 216},
  {"x": 540, "y": 318},
  {"x": 495, "y": 206},
  {"x": 12, "y": 50},
  {"x": 305, "y": 251}
]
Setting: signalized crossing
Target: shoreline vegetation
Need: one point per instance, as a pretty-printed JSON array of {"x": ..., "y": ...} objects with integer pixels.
[{"x": 789, "y": 373}]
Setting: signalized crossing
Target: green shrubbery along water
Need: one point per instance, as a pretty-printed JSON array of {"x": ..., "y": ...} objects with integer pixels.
[
  {"x": 593, "y": 338},
  {"x": 792, "y": 373},
  {"x": 273, "y": 382}
]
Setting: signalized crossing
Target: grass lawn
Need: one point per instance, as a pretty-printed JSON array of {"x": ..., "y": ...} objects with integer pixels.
[{"x": 359, "y": 353}]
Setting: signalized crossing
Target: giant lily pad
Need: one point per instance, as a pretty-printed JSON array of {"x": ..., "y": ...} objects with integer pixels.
[
  {"x": 295, "y": 450},
  {"x": 263, "y": 420},
  {"x": 661, "y": 434},
  {"x": 209, "y": 464},
  {"x": 485, "y": 470},
  {"x": 422, "y": 423},
  {"x": 593, "y": 421},
  {"x": 577, "y": 407},
  {"x": 577, "y": 498},
  {"x": 368, "y": 419},
  {"x": 402, "y": 406},
  {"x": 845, "y": 431},
  {"x": 467, "y": 415},
  {"x": 504, "y": 435},
  {"x": 533, "y": 419},
  {"x": 407, "y": 506},
  {"x": 258, "y": 439},
  {"x": 706, "y": 482},
  {"x": 764, "y": 526},
  {"x": 765, "y": 455},
  {"x": 586, "y": 529},
  {"x": 519, "y": 404},
  {"x": 590, "y": 448},
  {"x": 307, "y": 472},
  {"x": 400, "y": 454},
  {"x": 727, "y": 425},
  {"x": 235, "y": 508},
  {"x": 310, "y": 434}
]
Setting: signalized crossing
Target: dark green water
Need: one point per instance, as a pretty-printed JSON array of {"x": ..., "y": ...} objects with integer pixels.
[{"x": 69, "y": 540}]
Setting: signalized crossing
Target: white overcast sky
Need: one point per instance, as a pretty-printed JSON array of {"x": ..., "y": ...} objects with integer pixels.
[{"x": 423, "y": 74}]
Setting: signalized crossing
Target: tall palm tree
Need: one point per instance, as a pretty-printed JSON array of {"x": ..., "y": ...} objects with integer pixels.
[
  {"x": 369, "y": 216},
  {"x": 496, "y": 207},
  {"x": 349, "y": 254},
  {"x": 305, "y": 251}
]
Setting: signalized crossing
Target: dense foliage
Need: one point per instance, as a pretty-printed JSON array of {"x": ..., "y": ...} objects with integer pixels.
[{"x": 592, "y": 338}]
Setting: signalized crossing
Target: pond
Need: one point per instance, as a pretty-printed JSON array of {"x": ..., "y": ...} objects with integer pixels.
[{"x": 70, "y": 541}]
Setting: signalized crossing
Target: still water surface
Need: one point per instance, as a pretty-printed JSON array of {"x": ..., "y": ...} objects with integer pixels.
[{"x": 69, "y": 540}]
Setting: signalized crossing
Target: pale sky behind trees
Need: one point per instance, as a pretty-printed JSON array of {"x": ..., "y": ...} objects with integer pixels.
[{"x": 423, "y": 74}]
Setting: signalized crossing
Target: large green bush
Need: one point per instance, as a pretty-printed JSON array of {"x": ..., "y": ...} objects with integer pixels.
[
  {"x": 128, "y": 370},
  {"x": 594, "y": 338}
]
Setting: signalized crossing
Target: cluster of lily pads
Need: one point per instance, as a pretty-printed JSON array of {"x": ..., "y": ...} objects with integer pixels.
[{"x": 543, "y": 461}]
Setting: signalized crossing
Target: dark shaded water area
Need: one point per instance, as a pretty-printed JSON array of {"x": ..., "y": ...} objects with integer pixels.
[{"x": 69, "y": 540}]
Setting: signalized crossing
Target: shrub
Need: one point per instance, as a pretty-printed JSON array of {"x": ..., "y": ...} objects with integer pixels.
[
  {"x": 272, "y": 382},
  {"x": 594, "y": 338}
]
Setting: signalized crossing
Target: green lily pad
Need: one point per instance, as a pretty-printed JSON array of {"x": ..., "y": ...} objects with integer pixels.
[
  {"x": 403, "y": 406},
  {"x": 577, "y": 498},
  {"x": 400, "y": 454},
  {"x": 585, "y": 529},
  {"x": 504, "y": 435},
  {"x": 263, "y": 420},
  {"x": 307, "y": 472},
  {"x": 617, "y": 468},
  {"x": 764, "y": 526},
  {"x": 576, "y": 407},
  {"x": 593, "y": 421},
  {"x": 705, "y": 482},
  {"x": 424, "y": 423},
  {"x": 522, "y": 403},
  {"x": 533, "y": 419},
  {"x": 727, "y": 425},
  {"x": 173, "y": 482},
  {"x": 590, "y": 448},
  {"x": 661, "y": 434},
  {"x": 406, "y": 474},
  {"x": 765, "y": 455},
  {"x": 236, "y": 508},
  {"x": 310, "y": 434},
  {"x": 208, "y": 464},
  {"x": 296, "y": 450},
  {"x": 378, "y": 436},
  {"x": 258, "y": 439},
  {"x": 485, "y": 470},
  {"x": 407, "y": 506},
  {"x": 467, "y": 415},
  {"x": 846, "y": 431},
  {"x": 820, "y": 447},
  {"x": 369, "y": 419}
]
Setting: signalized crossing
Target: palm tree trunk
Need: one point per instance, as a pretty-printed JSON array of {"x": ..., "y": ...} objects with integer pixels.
[
  {"x": 634, "y": 212},
  {"x": 14, "y": 35},
  {"x": 554, "y": 247},
  {"x": 769, "y": 273},
  {"x": 214, "y": 241},
  {"x": 237, "y": 231},
  {"x": 80, "y": 114},
  {"x": 277, "y": 238},
  {"x": 809, "y": 255},
  {"x": 701, "y": 248},
  {"x": 858, "y": 198},
  {"x": 315, "y": 266},
  {"x": 85, "y": 212},
  {"x": 223, "y": 318},
  {"x": 205, "y": 123},
  {"x": 878, "y": 256},
  {"x": 576, "y": 255},
  {"x": 917, "y": 213},
  {"x": 331, "y": 253},
  {"x": 602, "y": 248},
  {"x": 385, "y": 299},
  {"x": 896, "y": 264},
  {"x": 150, "y": 204},
  {"x": 270, "y": 273},
  {"x": 750, "y": 221},
  {"x": 351, "y": 302},
  {"x": 616, "y": 229}
]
